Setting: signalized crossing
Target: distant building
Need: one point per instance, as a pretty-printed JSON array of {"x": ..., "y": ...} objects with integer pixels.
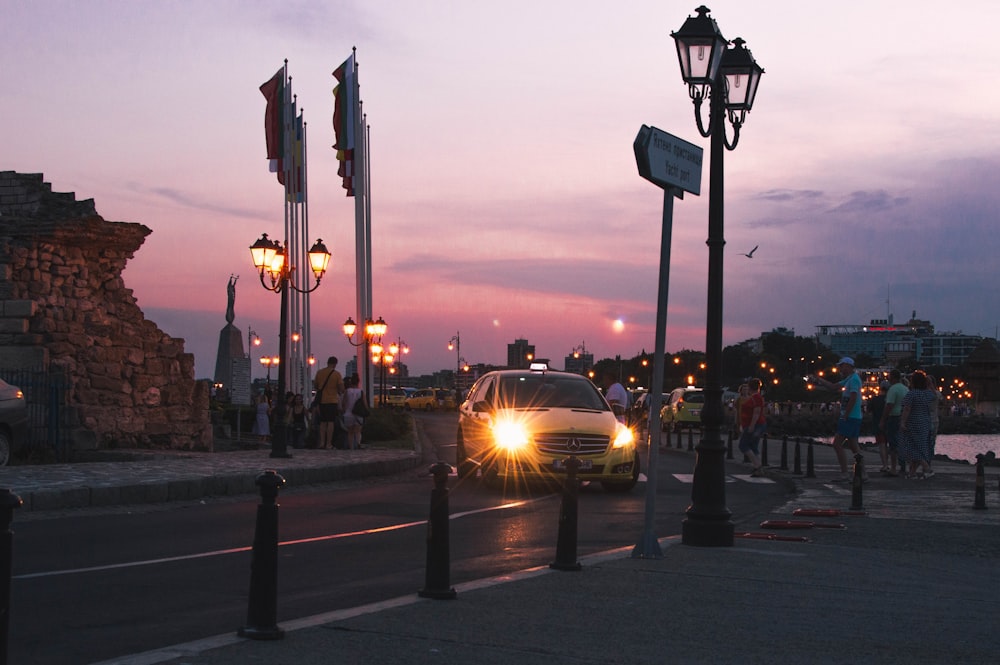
[
  {"x": 520, "y": 354},
  {"x": 579, "y": 360},
  {"x": 887, "y": 342}
]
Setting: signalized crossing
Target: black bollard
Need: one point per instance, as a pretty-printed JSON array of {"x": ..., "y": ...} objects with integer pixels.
[
  {"x": 980, "y": 484},
  {"x": 810, "y": 468},
  {"x": 680, "y": 433},
  {"x": 856, "y": 481},
  {"x": 8, "y": 502},
  {"x": 729, "y": 445},
  {"x": 566, "y": 543},
  {"x": 437, "y": 580},
  {"x": 784, "y": 453},
  {"x": 797, "y": 459},
  {"x": 262, "y": 607},
  {"x": 690, "y": 439},
  {"x": 763, "y": 450}
]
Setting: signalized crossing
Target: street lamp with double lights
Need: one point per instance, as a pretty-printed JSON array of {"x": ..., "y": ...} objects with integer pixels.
[
  {"x": 371, "y": 334},
  {"x": 271, "y": 261},
  {"x": 728, "y": 77}
]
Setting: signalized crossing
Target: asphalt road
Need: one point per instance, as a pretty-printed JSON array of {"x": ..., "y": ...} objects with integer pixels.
[{"x": 91, "y": 585}]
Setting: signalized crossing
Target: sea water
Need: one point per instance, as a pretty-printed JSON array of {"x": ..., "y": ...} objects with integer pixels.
[{"x": 965, "y": 447}]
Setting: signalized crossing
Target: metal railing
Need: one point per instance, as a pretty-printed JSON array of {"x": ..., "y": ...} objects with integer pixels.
[{"x": 48, "y": 412}]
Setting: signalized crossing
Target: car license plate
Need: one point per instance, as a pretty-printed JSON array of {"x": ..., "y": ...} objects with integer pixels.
[{"x": 585, "y": 465}]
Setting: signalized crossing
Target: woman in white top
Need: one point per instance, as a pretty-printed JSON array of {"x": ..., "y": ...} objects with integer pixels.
[{"x": 352, "y": 422}]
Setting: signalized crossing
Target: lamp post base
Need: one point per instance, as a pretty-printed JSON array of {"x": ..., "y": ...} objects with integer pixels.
[{"x": 707, "y": 533}]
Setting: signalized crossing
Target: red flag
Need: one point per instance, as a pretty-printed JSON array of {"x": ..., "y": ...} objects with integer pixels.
[{"x": 274, "y": 92}]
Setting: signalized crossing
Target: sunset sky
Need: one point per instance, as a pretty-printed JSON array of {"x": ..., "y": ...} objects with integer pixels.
[{"x": 505, "y": 197}]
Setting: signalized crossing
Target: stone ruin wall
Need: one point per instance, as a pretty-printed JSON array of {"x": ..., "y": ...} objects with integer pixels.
[{"x": 64, "y": 304}]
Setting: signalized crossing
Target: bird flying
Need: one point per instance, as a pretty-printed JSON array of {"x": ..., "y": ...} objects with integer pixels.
[{"x": 749, "y": 254}]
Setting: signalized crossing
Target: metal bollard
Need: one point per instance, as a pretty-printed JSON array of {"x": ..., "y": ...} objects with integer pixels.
[
  {"x": 8, "y": 502},
  {"x": 856, "y": 481},
  {"x": 797, "y": 460},
  {"x": 262, "y": 607},
  {"x": 690, "y": 439},
  {"x": 763, "y": 450},
  {"x": 810, "y": 467},
  {"x": 980, "y": 484},
  {"x": 729, "y": 445},
  {"x": 784, "y": 453},
  {"x": 437, "y": 580},
  {"x": 680, "y": 433},
  {"x": 566, "y": 543}
]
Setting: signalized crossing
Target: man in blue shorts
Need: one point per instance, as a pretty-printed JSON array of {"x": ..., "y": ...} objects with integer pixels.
[{"x": 849, "y": 423}]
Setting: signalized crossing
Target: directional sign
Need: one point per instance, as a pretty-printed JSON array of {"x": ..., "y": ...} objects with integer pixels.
[{"x": 668, "y": 161}]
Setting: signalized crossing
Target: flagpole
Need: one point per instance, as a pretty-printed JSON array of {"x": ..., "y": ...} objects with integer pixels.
[
  {"x": 307, "y": 310},
  {"x": 366, "y": 182},
  {"x": 288, "y": 171},
  {"x": 363, "y": 298}
]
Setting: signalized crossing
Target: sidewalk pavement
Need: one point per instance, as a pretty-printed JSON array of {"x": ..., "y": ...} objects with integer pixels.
[
  {"x": 911, "y": 581},
  {"x": 154, "y": 477}
]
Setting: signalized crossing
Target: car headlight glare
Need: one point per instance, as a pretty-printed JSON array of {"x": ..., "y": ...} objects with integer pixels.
[
  {"x": 624, "y": 437},
  {"x": 510, "y": 435}
]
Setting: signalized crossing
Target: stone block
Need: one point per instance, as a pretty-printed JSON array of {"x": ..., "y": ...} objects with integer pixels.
[{"x": 18, "y": 308}]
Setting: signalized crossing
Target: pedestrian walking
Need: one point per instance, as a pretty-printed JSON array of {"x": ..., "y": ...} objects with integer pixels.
[
  {"x": 890, "y": 417},
  {"x": 753, "y": 424},
  {"x": 615, "y": 393},
  {"x": 876, "y": 406},
  {"x": 915, "y": 427},
  {"x": 849, "y": 423}
]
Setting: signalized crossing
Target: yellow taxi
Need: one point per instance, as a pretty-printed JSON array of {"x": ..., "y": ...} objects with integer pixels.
[
  {"x": 682, "y": 409},
  {"x": 394, "y": 397},
  {"x": 522, "y": 425},
  {"x": 424, "y": 399}
]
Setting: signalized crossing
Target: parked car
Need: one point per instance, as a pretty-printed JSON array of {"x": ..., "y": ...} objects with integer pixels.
[
  {"x": 639, "y": 414},
  {"x": 519, "y": 425},
  {"x": 430, "y": 399},
  {"x": 13, "y": 421},
  {"x": 682, "y": 409},
  {"x": 394, "y": 397},
  {"x": 424, "y": 399}
]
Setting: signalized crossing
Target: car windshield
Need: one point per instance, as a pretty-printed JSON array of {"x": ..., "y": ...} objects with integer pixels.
[
  {"x": 695, "y": 398},
  {"x": 548, "y": 391}
]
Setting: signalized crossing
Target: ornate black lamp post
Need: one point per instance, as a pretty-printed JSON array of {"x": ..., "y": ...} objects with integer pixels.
[
  {"x": 270, "y": 258},
  {"x": 729, "y": 78},
  {"x": 372, "y": 333}
]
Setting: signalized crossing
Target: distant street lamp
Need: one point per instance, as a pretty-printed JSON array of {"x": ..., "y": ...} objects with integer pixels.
[
  {"x": 455, "y": 343},
  {"x": 383, "y": 358},
  {"x": 729, "y": 78},
  {"x": 267, "y": 361},
  {"x": 370, "y": 334},
  {"x": 271, "y": 260}
]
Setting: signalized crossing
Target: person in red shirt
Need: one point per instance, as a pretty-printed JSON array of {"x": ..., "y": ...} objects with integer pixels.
[{"x": 753, "y": 424}]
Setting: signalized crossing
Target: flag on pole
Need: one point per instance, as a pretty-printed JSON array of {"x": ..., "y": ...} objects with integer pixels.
[
  {"x": 296, "y": 188},
  {"x": 345, "y": 120},
  {"x": 274, "y": 121}
]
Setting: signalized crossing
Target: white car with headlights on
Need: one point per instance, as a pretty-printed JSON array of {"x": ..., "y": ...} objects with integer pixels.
[{"x": 522, "y": 425}]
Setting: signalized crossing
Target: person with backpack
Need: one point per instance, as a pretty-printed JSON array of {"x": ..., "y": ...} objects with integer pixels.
[{"x": 329, "y": 387}]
